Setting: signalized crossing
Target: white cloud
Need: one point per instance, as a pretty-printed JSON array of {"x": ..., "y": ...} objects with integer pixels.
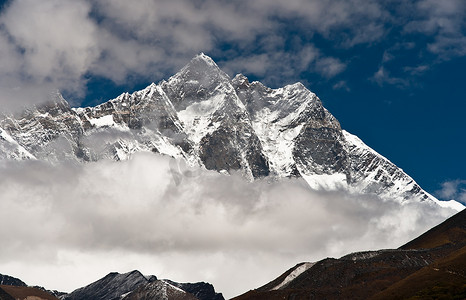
[
  {"x": 445, "y": 22},
  {"x": 58, "y": 44},
  {"x": 53, "y": 41},
  {"x": 454, "y": 189},
  {"x": 329, "y": 66},
  {"x": 417, "y": 70},
  {"x": 383, "y": 77},
  {"x": 117, "y": 216},
  {"x": 341, "y": 85},
  {"x": 277, "y": 66}
]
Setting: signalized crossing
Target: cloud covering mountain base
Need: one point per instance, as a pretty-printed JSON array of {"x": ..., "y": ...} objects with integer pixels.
[{"x": 63, "y": 225}]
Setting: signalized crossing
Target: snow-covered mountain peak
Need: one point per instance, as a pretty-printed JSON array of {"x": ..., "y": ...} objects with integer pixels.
[
  {"x": 201, "y": 68},
  {"x": 240, "y": 81},
  {"x": 295, "y": 86},
  {"x": 201, "y": 57},
  {"x": 201, "y": 79},
  {"x": 204, "y": 117}
]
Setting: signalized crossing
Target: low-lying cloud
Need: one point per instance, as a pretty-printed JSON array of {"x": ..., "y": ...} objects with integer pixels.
[{"x": 65, "y": 225}]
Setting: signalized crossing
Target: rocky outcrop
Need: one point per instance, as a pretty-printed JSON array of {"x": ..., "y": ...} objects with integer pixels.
[
  {"x": 135, "y": 286},
  {"x": 8, "y": 280},
  {"x": 111, "y": 287}
]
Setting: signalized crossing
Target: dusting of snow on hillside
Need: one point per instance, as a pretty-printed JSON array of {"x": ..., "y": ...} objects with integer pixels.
[{"x": 295, "y": 273}]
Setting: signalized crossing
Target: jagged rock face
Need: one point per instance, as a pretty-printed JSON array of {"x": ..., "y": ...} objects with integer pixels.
[
  {"x": 159, "y": 290},
  {"x": 50, "y": 131},
  {"x": 326, "y": 149},
  {"x": 10, "y": 149},
  {"x": 373, "y": 173},
  {"x": 135, "y": 286},
  {"x": 111, "y": 287},
  {"x": 215, "y": 119},
  {"x": 201, "y": 290},
  {"x": 296, "y": 131},
  {"x": 204, "y": 117},
  {"x": 8, "y": 280},
  {"x": 198, "y": 81}
]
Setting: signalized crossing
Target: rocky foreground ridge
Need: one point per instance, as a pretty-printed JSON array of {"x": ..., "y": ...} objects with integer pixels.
[{"x": 431, "y": 266}]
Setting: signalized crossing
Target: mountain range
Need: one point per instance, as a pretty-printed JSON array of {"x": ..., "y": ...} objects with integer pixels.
[
  {"x": 115, "y": 286},
  {"x": 202, "y": 116}
]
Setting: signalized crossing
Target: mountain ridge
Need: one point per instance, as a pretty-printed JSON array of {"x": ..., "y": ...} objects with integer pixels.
[
  {"x": 203, "y": 116},
  {"x": 132, "y": 285},
  {"x": 430, "y": 266}
]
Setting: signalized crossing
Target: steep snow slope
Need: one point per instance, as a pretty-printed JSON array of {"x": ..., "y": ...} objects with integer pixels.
[{"x": 10, "y": 149}]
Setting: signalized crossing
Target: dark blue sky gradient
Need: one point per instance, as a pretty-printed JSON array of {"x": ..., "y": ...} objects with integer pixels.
[{"x": 421, "y": 129}]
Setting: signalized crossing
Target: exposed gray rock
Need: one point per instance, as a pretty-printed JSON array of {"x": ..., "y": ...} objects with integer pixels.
[
  {"x": 9, "y": 280},
  {"x": 111, "y": 287}
]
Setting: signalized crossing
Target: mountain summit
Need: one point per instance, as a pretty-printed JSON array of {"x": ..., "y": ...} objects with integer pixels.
[{"x": 210, "y": 120}]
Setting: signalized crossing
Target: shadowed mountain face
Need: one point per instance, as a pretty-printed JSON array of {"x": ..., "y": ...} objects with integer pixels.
[
  {"x": 431, "y": 266},
  {"x": 8, "y": 280},
  {"x": 135, "y": 286},
  {"x": 111, "y": 287},
  {"x": 203, "y": 116}
]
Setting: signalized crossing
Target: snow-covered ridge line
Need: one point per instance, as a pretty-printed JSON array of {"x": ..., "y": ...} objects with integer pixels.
[
  {"x": 204, "y": 117},
  {"x": 401, "y": 182}
]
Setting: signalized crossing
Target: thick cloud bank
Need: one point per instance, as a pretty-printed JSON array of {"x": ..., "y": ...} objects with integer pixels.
[{"x": 66, "y": 225}]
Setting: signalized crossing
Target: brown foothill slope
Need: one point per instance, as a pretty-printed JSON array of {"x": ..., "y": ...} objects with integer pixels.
[
  {"x": 278, "y": 280},
  {"x": 22, "y": 292},
  {"x": 355, "y": 276},
  {"x": 444, "y": 279},
  {"x": 452, "y": 231},
  {"x": 431, "y": 266},
  {"x": 4, "y": 295}
]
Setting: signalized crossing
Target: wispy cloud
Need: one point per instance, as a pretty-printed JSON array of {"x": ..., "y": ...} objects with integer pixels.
[
  {"x": 341, "y": 85},
  {"x": 278, "y": 66},
  {"x": 444, "y": 22},
  {"x": 454, "y": 189},
  {"x": 200, "y": 226},
  {"x": 383, "y": 77}
]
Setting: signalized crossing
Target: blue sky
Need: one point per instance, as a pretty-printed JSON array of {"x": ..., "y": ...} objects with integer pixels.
[{"x": 390, "y": 71}]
